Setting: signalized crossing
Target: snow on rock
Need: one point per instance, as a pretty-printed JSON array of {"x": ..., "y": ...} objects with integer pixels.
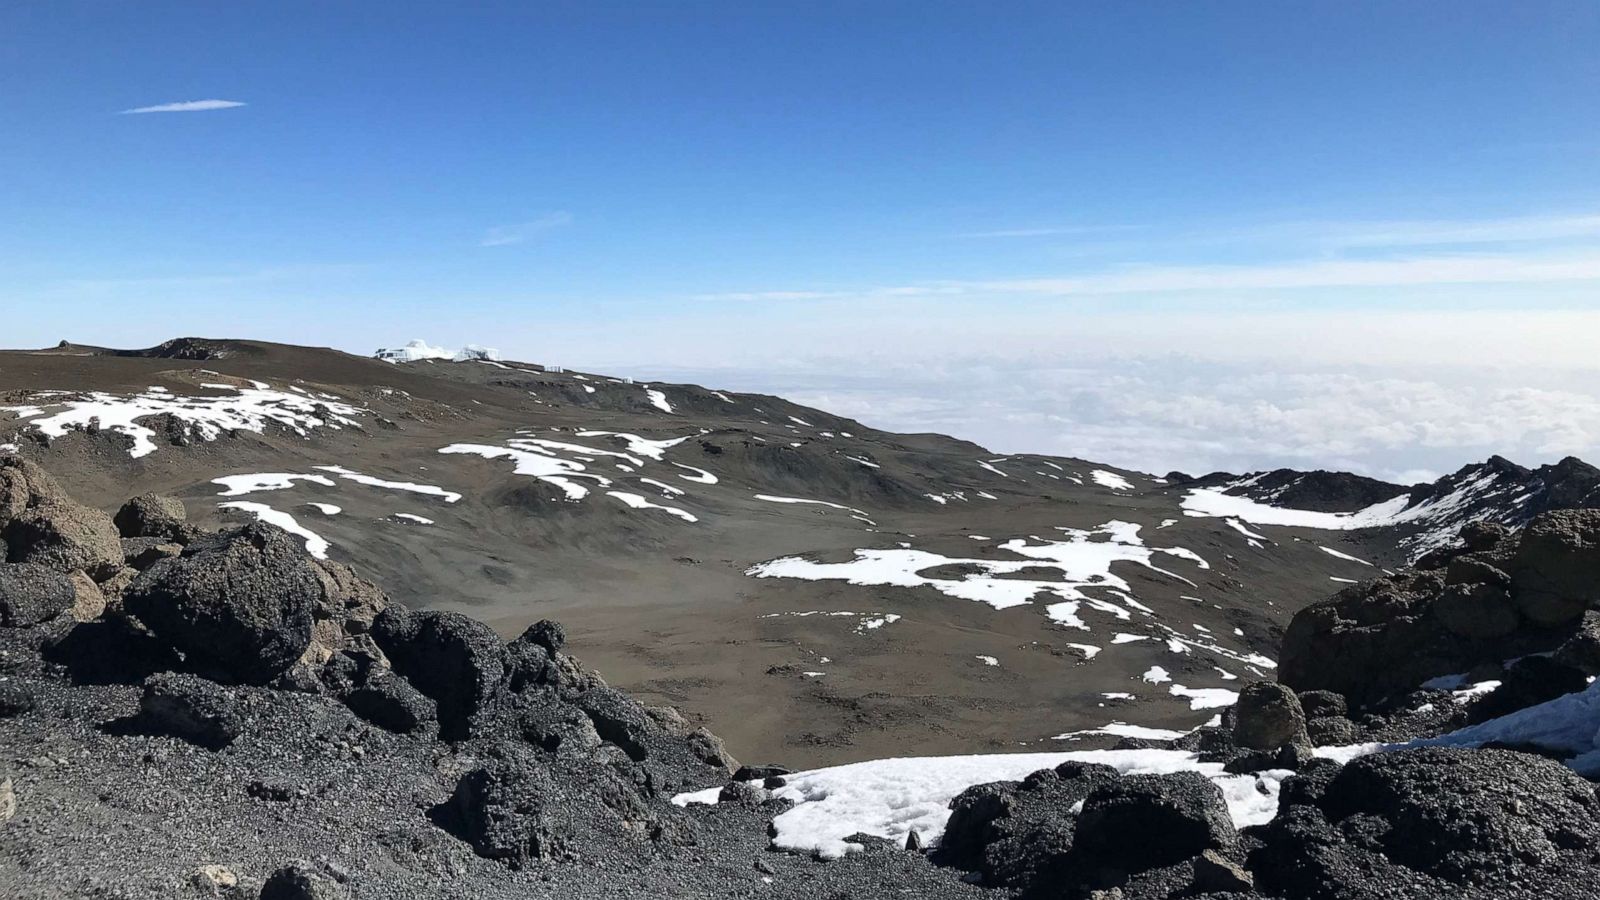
[
  {"x": 409, "y": 517},
  {"x": 1345, "y": 556},
  {"x": 1205, "y": 698},
  {"x": 1121, "y": 729},
  {"x": 327, "y": 509},
  {"x": 537, "y": 462},
  {"x": 658, "y": 400},
  {"x": 315, "y": 544},
  {"x": 645, "y": 447},
  {"x": 412, "y": 487},
  {"x": 892, "y": 797},
  {"x": 1110, "y": 480},
  {"x": 1084, "y": 561},
  {"x": 988, "y": 660},
  {"x": 638, "y": 501},
  {"x": 1440, "y": 516},
  {"x": 239, "y": 485},
  {"x": 207, "y": 417},
  {"x": 1156, "y": 675},
  {"x": 700, "y": 476}
]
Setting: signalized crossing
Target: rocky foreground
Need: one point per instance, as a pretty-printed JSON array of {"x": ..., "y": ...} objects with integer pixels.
[{"x": 218, "y": 714}]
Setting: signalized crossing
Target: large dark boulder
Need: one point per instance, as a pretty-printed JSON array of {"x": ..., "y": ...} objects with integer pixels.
[
  {"x": 1430, "y": 822},
  {"x": 237, "y": 603},
  {"x": 1140, "y": 822},
  {"x": 24, "y": 485},
  {"x": 1556, "y": 571},
  {"x": 1528, "y": 682},
  {"x": 65, "y": 536},
  {"x": 30, "y": 594},
  {"x": 191, "y": 708},
  {"x": 1020, "y": 834},
  {"x": 517, "y": 807},
  {"x": 457, "y": 661},
  {"x": 152, "y": 516},
  {"x": 391, "y": 703},
  {"x": 1268, "y": 716},
  {"x": 300, "y": 880},
  {"x": 1476, "y": 611}
]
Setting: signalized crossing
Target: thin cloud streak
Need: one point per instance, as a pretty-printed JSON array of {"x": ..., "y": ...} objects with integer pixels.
[
  {"x": 1047, "y": 232},
  {"x": 507, "y": 235},
  {"x": 185, "y": 106},
  {"x": 1417, "y": 272}
]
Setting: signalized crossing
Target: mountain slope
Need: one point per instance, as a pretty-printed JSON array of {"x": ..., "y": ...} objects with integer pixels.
[{"x": 814, "y": 589}]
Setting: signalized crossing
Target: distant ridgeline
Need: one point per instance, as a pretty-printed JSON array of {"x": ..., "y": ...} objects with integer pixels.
[{"x": 419, "y": 349}]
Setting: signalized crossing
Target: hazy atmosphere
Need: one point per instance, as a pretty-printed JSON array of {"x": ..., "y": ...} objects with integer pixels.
[{"x": 1229, "y": 236}]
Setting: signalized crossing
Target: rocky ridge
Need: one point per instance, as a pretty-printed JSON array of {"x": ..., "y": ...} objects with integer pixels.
[{"x": 236, "y": 718}]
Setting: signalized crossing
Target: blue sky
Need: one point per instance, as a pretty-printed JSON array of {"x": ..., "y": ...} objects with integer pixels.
[{"x": 653, "y": 184}]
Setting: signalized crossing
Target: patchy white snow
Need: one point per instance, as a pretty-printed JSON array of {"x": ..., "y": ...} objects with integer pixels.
[
  {"x": 658, "y": 400},
  {"x": 1121, "y": 729},
  {"x": 315, "y": 544},
  {"x": 239, "y": 485},
  {"x": 1254, "y": 539},
  {"x": 1110, "y": 480},
  {"x": 992, "y": 469},
  {"x": 663, "y": 487},
  {"x": 207, "y": 417},
  {"x": 1084, "y": 561},
  {"x": 700, "y": 476},
  {"x": 638, "y": 501},
  {"x": 412, "y": 487},
  {"x": 988, "y": 660},
  {"x": 1440, "y": 515},
  {"x": 1205, "y": 698},
  {"x": 892, "y": 797},
  {"x": 537, "y": 462},
  {"x": 1155, "y": 675},
  {"x": 1345, "y": 556},
  {"x": 646, "y": 447},
  {"x": 1089, "y": 650},
  {"x": 409, "y": 517},
  {"x": 327, "y": 509}
]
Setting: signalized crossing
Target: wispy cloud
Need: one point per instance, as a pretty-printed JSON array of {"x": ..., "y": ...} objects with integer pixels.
[
  {"x": 506, "y": 235},
  {"x": 1047, "y": 232},
  {"x": 1294, "y": 275},
  {"x": 185, "y": 106}
]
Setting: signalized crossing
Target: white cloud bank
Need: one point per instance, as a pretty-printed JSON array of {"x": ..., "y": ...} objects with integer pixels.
[
  {"x": 185, "y": 106},
  {"x": 1403, "y": 397}
]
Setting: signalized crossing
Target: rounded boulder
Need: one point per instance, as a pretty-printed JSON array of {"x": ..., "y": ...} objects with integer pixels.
[{"x": 239, "y": 602}]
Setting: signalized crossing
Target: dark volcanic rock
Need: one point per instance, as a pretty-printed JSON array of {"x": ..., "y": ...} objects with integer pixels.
[
  {"x": 516, "y": 809},
  {"x": 1453, "y": 817},
  {"x": 1144, "y": 821},
  {"x": 65, "y": 536},
  {"x": 1268, "y": 716},
  {"x": 390, "y": 702},
  {"x": 15, "y": 700},
  {"x": 1320, "y": 704},
  {"x": 30, "y": 594},
  {"x": 190, "y": 708},
  {"x": 457, "y": 661},
  {"x": 151, "y": 516},
  {"x": 238, "y": 602},
  {"x": 1556, "y": 570},
  {"x": 1379, "y": 641},
  {"x": 547, "y": 634},
  {"x": 301, "y": 881},
  {"x": 1527, "y": 682},
  {"x": 143, "y": 552},
  {"x": 1020, "y": 834}
]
